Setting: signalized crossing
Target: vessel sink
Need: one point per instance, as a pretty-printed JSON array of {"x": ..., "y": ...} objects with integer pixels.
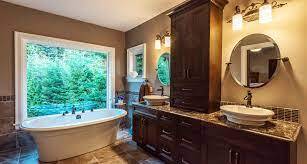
[
  {"x": 155, "y": 99},
  {"x": 247, "y": 116}
]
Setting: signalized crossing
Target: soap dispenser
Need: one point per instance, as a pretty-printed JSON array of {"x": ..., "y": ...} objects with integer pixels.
[{"x": 145, "y": 89}]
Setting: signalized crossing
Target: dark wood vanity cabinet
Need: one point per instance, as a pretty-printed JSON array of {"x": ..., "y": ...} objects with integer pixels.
[
  {"x": 178, "y": 139},
  {"x": 145, "y": 129},
  {"x": 222, "y": 145},
  {"x": 196, "y": 28},
  {"x": 174, "y": 139}
]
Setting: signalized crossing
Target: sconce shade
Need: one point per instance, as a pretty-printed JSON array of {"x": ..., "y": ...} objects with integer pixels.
[
  {"x": 158, "y": 44},
  {"x": 265, "y": 13},
  {"x": 167, "y": 40},
  {"x": 237, "y": 22}
]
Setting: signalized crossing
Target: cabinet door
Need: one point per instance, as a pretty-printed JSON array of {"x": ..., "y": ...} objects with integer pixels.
[
  {"x": 254, "y": 157},
  {"x": 178, "y": 62},
  {"x": 138, "y": 132},
  {"x": 216, "y": 152},
  {"x": 196, "y": 47},
  {"x": 151, "y": 134}
]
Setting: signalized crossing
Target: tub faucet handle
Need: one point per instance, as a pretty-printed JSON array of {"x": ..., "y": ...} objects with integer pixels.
[
  {"x": 83, "y": 110},
  {"x": 78, "y": 116}
]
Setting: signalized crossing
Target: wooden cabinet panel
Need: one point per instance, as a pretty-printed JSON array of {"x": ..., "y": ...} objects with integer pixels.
[
  {"x": 192, "y": 33},
  {"x": 167, "y": 151},
  {"x": 145, "y": 128},
  {"x": 188, "y": 156},
  {"x": 179, "y": 139},
  {"x": 151, "y": 133},
  {"x": 215, "y": 152},
  {"x": 137, "y": 129},
  {"x": 178, "y": 62},
  {"x": 244, "y": 148}
]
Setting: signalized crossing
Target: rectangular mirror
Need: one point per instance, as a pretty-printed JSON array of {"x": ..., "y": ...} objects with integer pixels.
[{"x": 136, "y": 63}]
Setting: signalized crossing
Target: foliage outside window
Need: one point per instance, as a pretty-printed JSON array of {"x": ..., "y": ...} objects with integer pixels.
[
  {"x": 58, "y": 78},
  {"x": 139, "y": 64}
]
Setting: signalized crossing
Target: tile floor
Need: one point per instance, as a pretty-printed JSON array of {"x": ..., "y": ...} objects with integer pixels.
[{"x": 123, "y": 151}]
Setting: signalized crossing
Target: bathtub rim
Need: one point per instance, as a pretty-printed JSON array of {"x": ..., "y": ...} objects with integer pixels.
[{"x": 88, "y": 123}]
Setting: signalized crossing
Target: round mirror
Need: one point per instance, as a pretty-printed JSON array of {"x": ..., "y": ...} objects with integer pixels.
[
  {"x": 254, "y": 61},
  {"x": 163, "y": 69}
]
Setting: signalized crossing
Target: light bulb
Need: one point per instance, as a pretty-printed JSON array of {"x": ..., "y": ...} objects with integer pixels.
[
  {"x": 256, "y": 50},
  {"x": 237, "y": 22},
  {"x": 158, "y": 44},
  {"x": 167, "y": 40},
  {"x": 265, "y": 13}
]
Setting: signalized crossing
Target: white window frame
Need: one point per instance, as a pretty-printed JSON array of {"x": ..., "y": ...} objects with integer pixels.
[{"x": 21, "y": 39}]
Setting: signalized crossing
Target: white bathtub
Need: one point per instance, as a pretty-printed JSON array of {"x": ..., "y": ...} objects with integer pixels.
[{"x": 59, "y": 137}]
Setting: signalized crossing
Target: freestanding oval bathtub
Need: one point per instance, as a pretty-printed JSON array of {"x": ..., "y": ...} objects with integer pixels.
[{"x": 59, "y": 137}]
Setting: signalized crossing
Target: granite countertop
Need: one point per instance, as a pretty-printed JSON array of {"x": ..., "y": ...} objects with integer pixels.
[{"x": 282, "y": 130}]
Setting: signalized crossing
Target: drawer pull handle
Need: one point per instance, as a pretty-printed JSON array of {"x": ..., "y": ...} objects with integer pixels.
[
  {"x": 185, "y": 123},
  {"x": 186, "y": 89},
  {"x": 230, "y": 156},
  {"x": 166, "y": 132},
  {"x": 166, "y": 152},
  {"x": 186, "y": 141},
  {"x": 184, "y": 161},
  {"x": 237, "y": 158}
]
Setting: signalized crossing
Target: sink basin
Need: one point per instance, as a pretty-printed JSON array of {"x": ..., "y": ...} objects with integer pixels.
[
  {"x": 155, "y": 99},
  {"x": 247, "y": 116}
]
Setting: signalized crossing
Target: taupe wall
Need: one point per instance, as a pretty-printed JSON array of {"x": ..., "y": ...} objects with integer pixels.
[
  {"x": 146, "y": 33},
  {"x": 16, "y": 18},
  {"x": 288, "y": 29},
  {"x": 289, "y": 87}
]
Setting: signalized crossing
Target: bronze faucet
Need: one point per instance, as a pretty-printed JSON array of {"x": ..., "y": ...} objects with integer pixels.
[
  {"x": 162, "y": 90},
  {"x": 248, "y": 99}
]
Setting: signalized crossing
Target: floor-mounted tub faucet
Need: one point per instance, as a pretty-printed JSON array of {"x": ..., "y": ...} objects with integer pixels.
[
  {"x": 248, "y": 99},
  {"x": 73, "y": 110}
]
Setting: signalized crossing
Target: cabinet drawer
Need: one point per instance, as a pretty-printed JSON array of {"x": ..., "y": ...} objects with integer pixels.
[
  {"x": 167, "y": 151},
  {"x": 167, "y": 124},
  {"x": 192, "y": 102},
  {"x": 145, "y": 111},
  {"x": 187, "y": 156},
  {"x": 189, "y": 124},
  {"x": 188, "y": 89},
  {"x": 167, "y": 132},
  {"x": 189, "y": 140},
  {"x": 167, "y": 118}
]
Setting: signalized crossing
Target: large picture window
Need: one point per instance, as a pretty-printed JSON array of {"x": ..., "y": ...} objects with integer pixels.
[{"x": 54, "y": 75}]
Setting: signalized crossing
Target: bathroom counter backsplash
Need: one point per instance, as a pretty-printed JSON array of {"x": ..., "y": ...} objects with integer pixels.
[{"x": 283, "y": 130}]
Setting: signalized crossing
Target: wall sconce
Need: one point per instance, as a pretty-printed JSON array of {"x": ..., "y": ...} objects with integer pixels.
[
  {"x": 265, "y": 12},
  {"x": 158, "y": 42},
  {"x": 166, "y": 39},
  {"x": 237, "y": 20},
  {"x": 254, "y": 11}
]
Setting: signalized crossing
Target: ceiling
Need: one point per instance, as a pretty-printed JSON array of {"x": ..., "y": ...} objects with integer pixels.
[{"x": 121, "y": 15}]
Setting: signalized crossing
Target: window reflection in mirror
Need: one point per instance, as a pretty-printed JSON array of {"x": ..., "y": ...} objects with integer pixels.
[
  {"x": 136, "y": 63},
  {"x": 163, "y": 69}
]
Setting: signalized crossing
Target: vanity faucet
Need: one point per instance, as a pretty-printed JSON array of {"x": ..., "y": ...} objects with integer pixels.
[
  {"x": 248, "y": 99},
  {"x": 162, "y": 90}
]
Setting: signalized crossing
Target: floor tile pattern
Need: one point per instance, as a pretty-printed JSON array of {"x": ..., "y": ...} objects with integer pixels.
[{"x": 123, "y": 151}]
